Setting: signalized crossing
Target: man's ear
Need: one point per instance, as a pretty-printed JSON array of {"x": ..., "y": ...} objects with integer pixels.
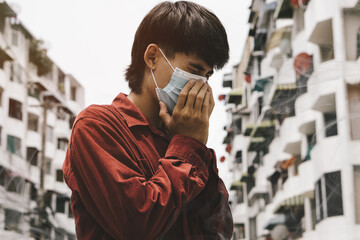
[{"x": 151, "y": 56}]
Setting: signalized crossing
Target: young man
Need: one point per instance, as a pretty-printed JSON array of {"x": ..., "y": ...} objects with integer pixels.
[{"x": 139, "y": 168}]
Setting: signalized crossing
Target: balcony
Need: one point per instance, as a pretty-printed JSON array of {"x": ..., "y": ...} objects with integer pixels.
[
  {"x": 284, "y": 10},
  {"x": 4, "y": 56},
  {"x": 257, "y": 144},
  {"x": 235, "y": 96},
  {"x": 249, "y": 127},
  {"x": 257, "y": 193},
  {"x": 290, "y": 136},
  {"x": 2, "y": 78},
  {"x": 263, "y": 85},
  {"x": 328, "y": 155},
  {"x": 282, "y": 100},
  {"x": 265, "y": 129},
  {"x": 227, "y": 80}
]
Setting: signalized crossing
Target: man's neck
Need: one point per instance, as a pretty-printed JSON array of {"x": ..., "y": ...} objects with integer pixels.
[{"x": 147, "y": 106}]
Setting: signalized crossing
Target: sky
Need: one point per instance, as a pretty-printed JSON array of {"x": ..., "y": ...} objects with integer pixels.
[{"x": 92, "y": 40}]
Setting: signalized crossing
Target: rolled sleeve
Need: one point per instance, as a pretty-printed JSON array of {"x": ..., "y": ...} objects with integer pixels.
[{"x": 190, "y": 150}]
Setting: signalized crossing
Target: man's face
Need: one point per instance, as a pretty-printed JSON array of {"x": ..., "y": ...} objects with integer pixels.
[{"x": 189, "y": 63}]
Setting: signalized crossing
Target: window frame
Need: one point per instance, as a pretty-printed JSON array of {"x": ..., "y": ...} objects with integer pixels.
[{"x": 15, "y": 109}]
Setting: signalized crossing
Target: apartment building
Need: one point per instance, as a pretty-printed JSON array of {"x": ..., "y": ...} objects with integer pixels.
[
  {"x": 293, "y": 130},
  {"x": 38, "y": 105}
]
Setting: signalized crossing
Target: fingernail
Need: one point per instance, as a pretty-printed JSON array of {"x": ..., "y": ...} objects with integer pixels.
[{"x": 192, "y": 81}]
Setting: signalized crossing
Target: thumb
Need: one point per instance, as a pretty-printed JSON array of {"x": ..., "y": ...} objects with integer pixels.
[{"x": 164, "y": 114}]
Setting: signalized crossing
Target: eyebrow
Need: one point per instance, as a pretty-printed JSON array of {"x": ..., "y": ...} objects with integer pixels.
[{"x": 200, "y": 68}]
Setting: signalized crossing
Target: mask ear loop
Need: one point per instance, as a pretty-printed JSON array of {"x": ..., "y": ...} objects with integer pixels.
[
  {"x": 153, "y": 78},
  {"x": 167, "y": 60}
]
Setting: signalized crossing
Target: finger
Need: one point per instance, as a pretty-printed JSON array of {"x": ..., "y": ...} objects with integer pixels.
[
  {"x": 164, "y": 114},
  {"x": 206, "y": 105},
  {"x": 212, "y": 101},
  {"x": 183, "y": 95},
  {"x": 193, "y": 94},
  {"x": 200, "y": 97}
]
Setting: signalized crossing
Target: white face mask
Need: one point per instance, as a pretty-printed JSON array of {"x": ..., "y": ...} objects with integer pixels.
[{"x": 170, "y": 94}]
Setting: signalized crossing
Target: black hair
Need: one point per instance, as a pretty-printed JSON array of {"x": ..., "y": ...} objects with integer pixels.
[{"x": 184, "y": 27}]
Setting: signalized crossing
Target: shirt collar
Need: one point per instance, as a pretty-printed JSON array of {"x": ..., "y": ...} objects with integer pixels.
[
  {"x": 134, "y": 117},
  {"x": 132, "y": 114}
]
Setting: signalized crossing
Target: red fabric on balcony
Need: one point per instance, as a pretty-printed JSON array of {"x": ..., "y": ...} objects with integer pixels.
[{"x": 302, "y": 63}]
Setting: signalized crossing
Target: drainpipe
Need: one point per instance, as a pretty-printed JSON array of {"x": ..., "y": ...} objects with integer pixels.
[{"x": 41, "y": 195}]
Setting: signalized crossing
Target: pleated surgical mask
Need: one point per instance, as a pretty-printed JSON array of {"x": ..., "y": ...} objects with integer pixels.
[{"x": 170, "y": 93}]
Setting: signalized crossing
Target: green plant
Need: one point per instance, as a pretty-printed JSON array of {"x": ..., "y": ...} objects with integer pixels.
[{"x": 39, "y": 58}]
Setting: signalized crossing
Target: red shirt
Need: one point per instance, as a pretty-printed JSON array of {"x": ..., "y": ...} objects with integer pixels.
[{"x": 130, "y": 180}]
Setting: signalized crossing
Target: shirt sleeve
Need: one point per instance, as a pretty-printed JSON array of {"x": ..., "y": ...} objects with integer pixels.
[
  {"x": 211, "y": 209},
  {"x": 114, "y": 189}
]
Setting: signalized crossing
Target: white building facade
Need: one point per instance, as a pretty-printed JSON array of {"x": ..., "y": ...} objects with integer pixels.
[
  {"x": 293, "y": 130},
  {"x": 28, "y": 80}
]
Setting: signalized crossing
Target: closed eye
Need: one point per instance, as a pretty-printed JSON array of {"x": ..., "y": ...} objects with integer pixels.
[{"x": 192, "y": 71}]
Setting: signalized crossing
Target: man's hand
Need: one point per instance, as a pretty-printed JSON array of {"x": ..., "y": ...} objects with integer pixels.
[{"x": 191, "y": 114}]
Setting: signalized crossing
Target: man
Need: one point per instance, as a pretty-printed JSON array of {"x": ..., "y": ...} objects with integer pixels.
[{"x": 139, "y": 168}]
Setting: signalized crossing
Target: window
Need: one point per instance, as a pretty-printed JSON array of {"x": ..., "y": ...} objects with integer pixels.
[
  {"x": 15, "y": 109},
  {"x": 238, "y": 157},
  {"x": 319, "y": 201},
  {"x": 274, "y": 179},
  {"x": 71, "y": 215},
  {"x": 48, "y": 199},
  {"x": 32, "y": 156},
  {"x": 240, "y": 195},
  {"x": 60, "y": 204},
  {"x": 3, "y": 175},
  {"x": 330, "y": 124},
  {"x": 48, "y": 166},
  {"x": 62, "y": 143},
  {"x": 250, "y": 183},
  {"x": 333, "y": 194},
  {"x": 61, "y": 82},
  {"x": 15, "y": 73},
  {"x": 60, "y": 113},
  {"x": 59, "y": 175},
  {"x": 258, "y": 60},
  {"x": 34, "y": 92},
  {"x": 328, "y": 196},
  {"x": 73, "y": 93},
  {"x": 14, "y": 145},
  {"x": 311, "y": 140},
  {"x": 261, "y": 103},
  {"x": 238, "y": 125},
  {"x": 33, "y": 122},
  {"x": 49, "y": 134},
  {"x": 326, "y": 52},
  {"x": 60, "y": 234},
  {"x": 15, "y": 185},
  {"x": 71, "y": 121},
  {"x": 33, "y": 192},
  {"x": 13, "y": 220},
  {"x": 239, "y": 231}
]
